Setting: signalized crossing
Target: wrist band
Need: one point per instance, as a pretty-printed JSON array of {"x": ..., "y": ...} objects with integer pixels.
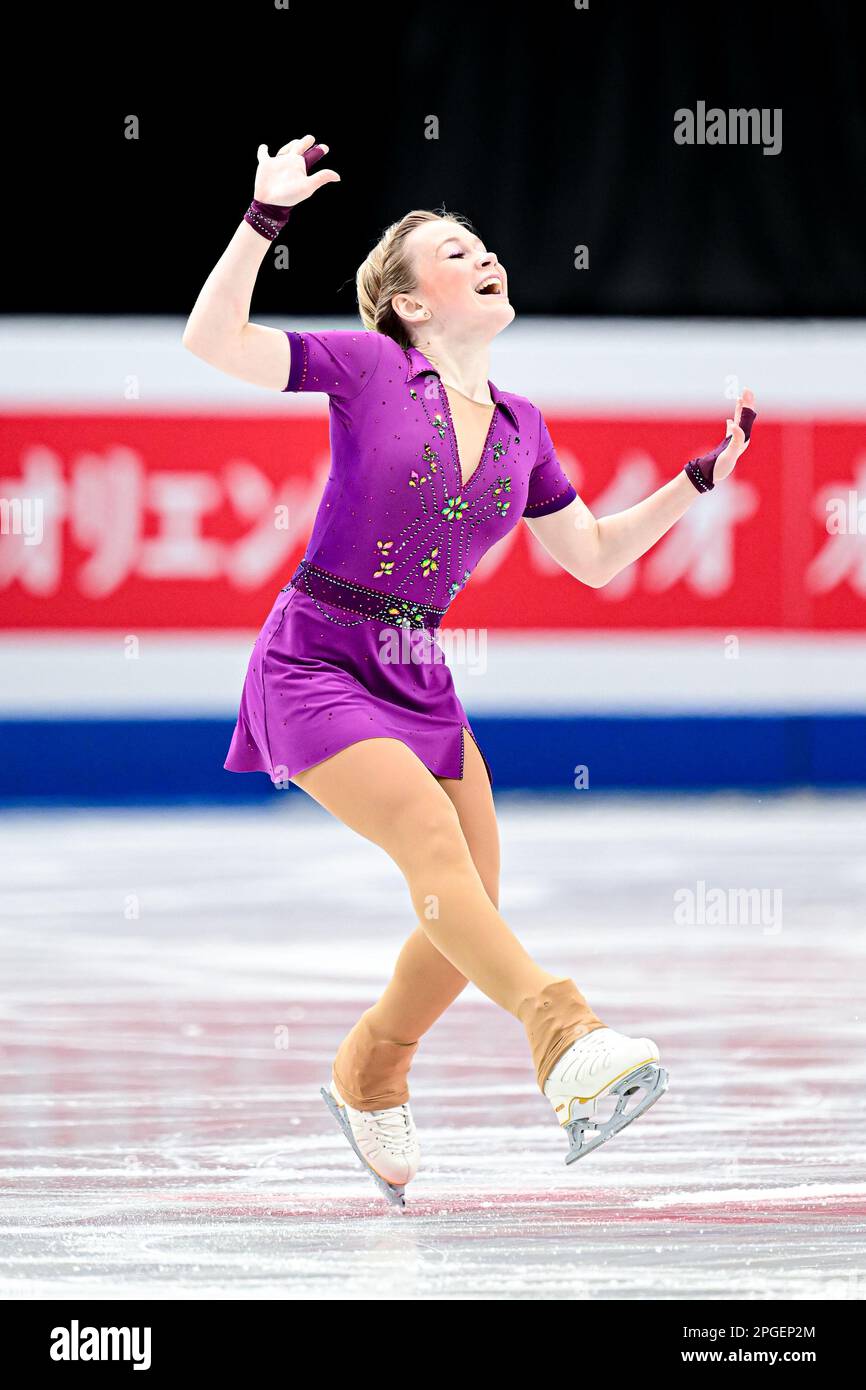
[
  {"x": 269, "y": 219},
  {"x": 700, "y": 470}
]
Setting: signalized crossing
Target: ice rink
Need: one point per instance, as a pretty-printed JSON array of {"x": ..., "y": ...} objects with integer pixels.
[{"x": 175, "y": 984}]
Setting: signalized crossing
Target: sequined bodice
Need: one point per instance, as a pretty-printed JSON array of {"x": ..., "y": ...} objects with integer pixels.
[
  {"x": 396, "y": 516},
  {"x": 451, "y": 523}
]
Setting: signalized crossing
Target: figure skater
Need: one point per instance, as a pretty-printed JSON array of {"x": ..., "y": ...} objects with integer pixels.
[{"x": 347, "y": 694}]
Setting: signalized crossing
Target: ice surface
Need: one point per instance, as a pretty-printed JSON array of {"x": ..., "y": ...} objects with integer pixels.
[{"x": 175, "y": 984}]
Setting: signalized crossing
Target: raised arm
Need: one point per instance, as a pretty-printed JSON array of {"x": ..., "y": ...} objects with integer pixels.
[
  {"x": 218, "y": 329},
  {"x": 596, "y": 550}
]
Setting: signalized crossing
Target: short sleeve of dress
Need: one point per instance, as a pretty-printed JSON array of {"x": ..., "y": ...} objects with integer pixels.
[
  {"x": 549, "y": 488},
  {"x": 340, "y": 362}
]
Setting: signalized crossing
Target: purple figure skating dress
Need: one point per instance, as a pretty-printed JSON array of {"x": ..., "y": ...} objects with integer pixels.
[{"x": 396, "y": 536}]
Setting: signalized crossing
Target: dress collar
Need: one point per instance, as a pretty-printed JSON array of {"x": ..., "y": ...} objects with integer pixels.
[{"x": 419, "y": 365}]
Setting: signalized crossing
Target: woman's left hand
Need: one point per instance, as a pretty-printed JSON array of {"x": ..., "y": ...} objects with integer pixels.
[{"x": 727, "y": 460}]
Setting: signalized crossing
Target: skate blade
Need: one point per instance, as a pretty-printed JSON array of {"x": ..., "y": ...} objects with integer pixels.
[
  {"x": 585, "y": 1134},
  {"x": 395, "y": 1194}
]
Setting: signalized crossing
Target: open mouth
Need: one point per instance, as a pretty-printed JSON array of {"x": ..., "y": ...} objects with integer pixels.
[{"x": 492, "y": 285}]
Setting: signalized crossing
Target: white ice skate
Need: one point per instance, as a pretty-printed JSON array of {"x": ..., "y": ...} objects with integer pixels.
[
  {"x": 385, "y": 1141},
  {"x": 602, "y": 1083}
]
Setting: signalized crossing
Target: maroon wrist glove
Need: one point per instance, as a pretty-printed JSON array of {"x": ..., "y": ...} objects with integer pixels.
[
  {"x": 701, "y": 470},
  {"x": 269, "y": 219}
]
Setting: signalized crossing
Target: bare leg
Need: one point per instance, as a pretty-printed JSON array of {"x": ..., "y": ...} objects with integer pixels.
[
  {"x": 424, "y": 983},
  {"x": 380, "y": 788}
]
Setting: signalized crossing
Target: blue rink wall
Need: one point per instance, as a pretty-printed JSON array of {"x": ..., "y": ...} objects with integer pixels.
[
  {"x": 117, "y": 761},
  {"x": 641, "y": 712}
]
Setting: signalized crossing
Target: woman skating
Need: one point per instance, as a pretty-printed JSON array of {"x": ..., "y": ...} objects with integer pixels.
[{"x": 347, "y": 693}]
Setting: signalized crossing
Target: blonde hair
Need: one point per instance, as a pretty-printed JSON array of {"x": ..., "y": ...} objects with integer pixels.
[{"x": 388, "y": 270}]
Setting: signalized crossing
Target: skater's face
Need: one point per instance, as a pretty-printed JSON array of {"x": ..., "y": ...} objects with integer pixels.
[{"x": 462, "y": 284}]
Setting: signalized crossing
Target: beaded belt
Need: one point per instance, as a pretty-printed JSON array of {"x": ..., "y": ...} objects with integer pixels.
[{"x": 370, "y": 603}]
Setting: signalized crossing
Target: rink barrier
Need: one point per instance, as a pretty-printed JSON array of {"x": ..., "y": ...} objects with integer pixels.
[{"x": 108, "y": 761}]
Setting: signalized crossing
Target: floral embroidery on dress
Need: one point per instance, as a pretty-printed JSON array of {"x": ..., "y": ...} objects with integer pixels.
[
  {"x": 385, "y": 566},
  {"x": 426, "y": 543},
  {"x": 454, "y": 508},
  {"x": 430, "y": 563},
  {"x": 457, "y": 584},
  {"x": 502, "y": 485},
  {"x": 429, "y": 456},
  {"x": 407, "y": 614}
]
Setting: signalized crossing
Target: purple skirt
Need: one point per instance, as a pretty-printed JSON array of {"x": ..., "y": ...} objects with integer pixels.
[{"x": 320, "y": 678}]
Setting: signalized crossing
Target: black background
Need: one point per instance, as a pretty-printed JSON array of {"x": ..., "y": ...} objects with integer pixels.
[{"x": 555, "y": 129}]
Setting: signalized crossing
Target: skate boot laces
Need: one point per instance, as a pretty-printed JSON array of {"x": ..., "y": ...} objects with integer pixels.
[
  {"x": 394, "y": 1127},
  {"x": 385, "y": 1142},
  {"x": 388, "y": 1138}
]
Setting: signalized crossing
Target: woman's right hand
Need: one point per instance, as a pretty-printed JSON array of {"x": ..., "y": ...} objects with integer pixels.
[{"x": 283, "y": 178}]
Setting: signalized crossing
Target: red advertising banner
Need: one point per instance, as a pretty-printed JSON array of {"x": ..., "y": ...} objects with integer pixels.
[{"x": 194, "y": 521}]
